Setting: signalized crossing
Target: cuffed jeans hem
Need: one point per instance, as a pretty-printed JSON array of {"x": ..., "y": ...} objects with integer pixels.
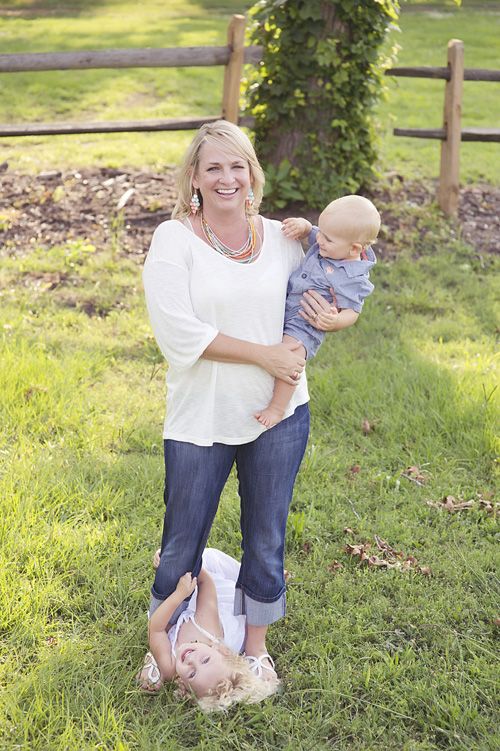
[
  {"x": 155, "y": 603},
  {"x": 258, "y": 613}
]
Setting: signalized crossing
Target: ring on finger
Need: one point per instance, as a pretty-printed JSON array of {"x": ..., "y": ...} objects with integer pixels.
[
  {"x": 296, "y": 376},
  {"x": 313, "y": 316}
]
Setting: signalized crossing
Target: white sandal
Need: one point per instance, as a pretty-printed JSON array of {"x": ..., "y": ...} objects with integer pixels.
[
  {"x": 153, "y": 675},
  {"x": 257, "y": 666}
]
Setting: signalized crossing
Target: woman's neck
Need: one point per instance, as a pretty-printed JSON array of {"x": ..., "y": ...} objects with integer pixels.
[{"x": 225, "y": 221}]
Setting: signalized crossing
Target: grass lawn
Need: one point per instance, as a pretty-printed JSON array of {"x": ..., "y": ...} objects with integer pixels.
[
  {"x": 405, "y": 412},
  {"x": 398, "y": 655}
]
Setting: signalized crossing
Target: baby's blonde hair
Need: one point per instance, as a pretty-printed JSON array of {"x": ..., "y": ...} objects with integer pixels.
[
  {"x": 230, "y": 139},
  {"x": 240, "y": 685},
  {"x": 356, "y": 218}
]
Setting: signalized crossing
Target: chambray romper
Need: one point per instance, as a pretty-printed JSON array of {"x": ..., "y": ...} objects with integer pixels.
[{"x": 350, "y": 282}]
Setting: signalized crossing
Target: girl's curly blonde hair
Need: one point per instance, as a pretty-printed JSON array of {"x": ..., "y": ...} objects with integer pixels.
[{"x": 240, "y": 685}]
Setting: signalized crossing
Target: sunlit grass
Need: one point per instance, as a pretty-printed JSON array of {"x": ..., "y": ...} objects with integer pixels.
[{"x": 370, "y": 658}]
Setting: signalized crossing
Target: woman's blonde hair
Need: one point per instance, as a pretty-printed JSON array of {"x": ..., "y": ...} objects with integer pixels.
[
  {"x": 230, "y": 139},
  {"x": 239, "y": 685}
]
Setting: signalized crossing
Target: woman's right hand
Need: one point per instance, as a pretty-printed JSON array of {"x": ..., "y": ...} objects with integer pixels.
[{"x": 283, "y": 361}]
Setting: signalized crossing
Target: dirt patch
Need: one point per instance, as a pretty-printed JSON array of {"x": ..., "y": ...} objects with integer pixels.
[{"x": 122, "y": 207}]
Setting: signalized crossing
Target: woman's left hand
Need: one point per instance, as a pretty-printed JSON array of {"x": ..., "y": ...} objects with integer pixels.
[{"x": 319, "y": 312}]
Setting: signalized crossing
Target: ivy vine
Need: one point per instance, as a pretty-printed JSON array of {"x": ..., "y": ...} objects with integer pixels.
[{"x": 313, "y": 96}]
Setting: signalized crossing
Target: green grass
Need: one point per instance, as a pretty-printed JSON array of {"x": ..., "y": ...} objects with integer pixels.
[
  {"x": 370, "y": 658},
  {"x": 151, "y": 93}
]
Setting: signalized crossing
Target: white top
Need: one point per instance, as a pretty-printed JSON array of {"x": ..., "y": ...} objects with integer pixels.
[{"x": 193, "y": 293}]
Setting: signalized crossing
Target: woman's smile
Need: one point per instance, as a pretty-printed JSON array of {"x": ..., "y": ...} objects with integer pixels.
[{"x": 226, "y": 191}]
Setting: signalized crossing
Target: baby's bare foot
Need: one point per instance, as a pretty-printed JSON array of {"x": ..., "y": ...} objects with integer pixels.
[{"x": 269, "y": 416}]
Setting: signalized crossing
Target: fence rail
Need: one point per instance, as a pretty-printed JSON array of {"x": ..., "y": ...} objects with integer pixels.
[
  {"x": 233, "y": 56},
  {"x": 151, "y": 57},
  {"x": 470, "y": 74},
  {"x": 451, "y": 134}
]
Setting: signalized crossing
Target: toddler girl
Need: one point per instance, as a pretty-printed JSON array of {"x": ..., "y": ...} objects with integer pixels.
[{"x": 201, "y": 651}]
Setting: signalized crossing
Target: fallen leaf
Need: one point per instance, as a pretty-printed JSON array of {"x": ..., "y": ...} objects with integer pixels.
[
  {"x": 464, "y": 506},
  {"x": 490, "y": 508},
  {"x": 449, "y": 502},
  {"x": 335, "y": 566},
  {"x": 356, "y": 549},
  {"x": 366, "y": 427},
  {"x": 33, "y": 390},
  {"x": 496, "y": 622},
  {"x": 414, "y": 473},
  {"x": 390, "y": 557}
]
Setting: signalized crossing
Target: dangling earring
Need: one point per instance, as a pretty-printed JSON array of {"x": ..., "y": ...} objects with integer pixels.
[
  {"x": 250, "y": 198},
  {"x": 195, "y": 203}
]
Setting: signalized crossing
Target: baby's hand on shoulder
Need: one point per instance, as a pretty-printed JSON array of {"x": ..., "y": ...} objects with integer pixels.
[
  {"x": 296, "y": 227},
  {"x": 186, "y": 585}
]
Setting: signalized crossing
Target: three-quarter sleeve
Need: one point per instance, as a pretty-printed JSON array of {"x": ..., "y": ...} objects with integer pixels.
[{"x": 180, "y": 334}]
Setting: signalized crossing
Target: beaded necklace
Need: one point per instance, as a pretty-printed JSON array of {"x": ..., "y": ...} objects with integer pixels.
[{"x": 245, "y": 254}]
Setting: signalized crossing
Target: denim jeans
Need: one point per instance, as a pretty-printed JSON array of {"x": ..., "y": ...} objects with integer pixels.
[{"x": 194, "y": 479}]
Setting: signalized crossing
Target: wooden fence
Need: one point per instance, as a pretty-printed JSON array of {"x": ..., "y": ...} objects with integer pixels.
[
  {"x": 451, "y": 134},
  {"x": 232, "y": 56}
]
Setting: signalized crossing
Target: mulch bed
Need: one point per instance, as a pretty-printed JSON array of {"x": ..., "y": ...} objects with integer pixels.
[{"x": 102, "y": 205}]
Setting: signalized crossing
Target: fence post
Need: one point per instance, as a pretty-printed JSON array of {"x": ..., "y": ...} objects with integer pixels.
[
  {"x": 452, "y": 122},
  {"x": 232, "y": 73}
]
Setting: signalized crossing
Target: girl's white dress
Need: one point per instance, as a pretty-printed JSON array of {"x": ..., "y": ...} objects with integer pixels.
[{"x": 224, "y": 571}]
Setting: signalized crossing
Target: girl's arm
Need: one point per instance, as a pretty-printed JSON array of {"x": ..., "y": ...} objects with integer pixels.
[
  {"x": 159, "y": 642},
  {"x": 207, "y": 606}
]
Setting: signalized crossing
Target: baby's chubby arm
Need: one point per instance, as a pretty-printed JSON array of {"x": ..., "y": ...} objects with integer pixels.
[
  {"x": 159, "y": 642},
  {"x": 323, "y": 315},
  {"x": 335, "y": 320},
  {"x": 296, "y": 227}
]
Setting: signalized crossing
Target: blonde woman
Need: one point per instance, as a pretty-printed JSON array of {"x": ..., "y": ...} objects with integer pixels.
[{"x": 215, "y": 280}]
